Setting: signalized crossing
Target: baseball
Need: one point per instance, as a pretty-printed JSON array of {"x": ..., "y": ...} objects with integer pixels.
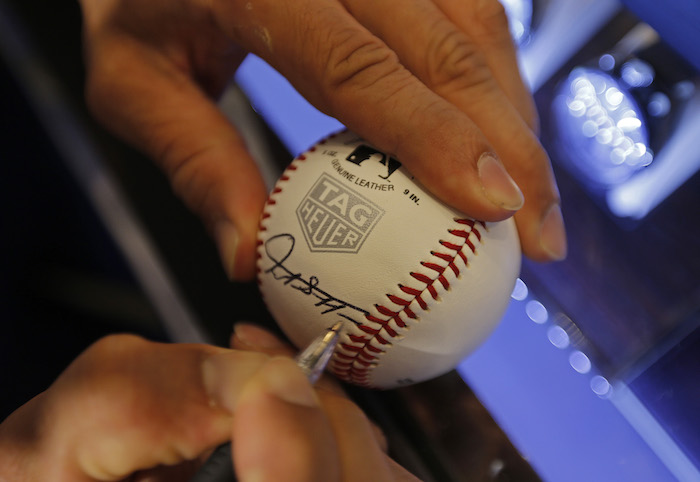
[{"x": 349, "y": 235}]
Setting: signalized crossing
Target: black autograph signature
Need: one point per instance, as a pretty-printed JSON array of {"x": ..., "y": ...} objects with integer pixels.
[{"x": 279, "y": 248}]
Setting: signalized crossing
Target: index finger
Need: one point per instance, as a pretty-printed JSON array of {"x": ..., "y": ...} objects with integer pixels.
[
  {"x": 449, "y": 61},
  {"x": 127, "y": 404},
  {"x": 348, "y": 72},
  {"x": 250, "y": 337},
  {"x": 486, "y": 24}
]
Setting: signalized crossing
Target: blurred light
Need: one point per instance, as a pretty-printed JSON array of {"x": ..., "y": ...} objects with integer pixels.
[
  {"x": 677, "y": 162},
  {"x": 601, "y": 386},
  {"x": 629, "y": 124},
  {"x": 659, "y": 104},
  {"x": 558, "y": 336},
  {"x": 496, "y": 467},
  {"x": 519, "y": 14},
  {"x": 606, "y": 62},
  {"x": 637, "y": 73},
  {"x": 579, "y": 362},
  {"x": 684, "y": 89},
  {"x": 614, "y": 98},
  {"x": 519, "y": 290},
  {"x": 536, "y": 312},
  {"x": 601, "y": 127}
]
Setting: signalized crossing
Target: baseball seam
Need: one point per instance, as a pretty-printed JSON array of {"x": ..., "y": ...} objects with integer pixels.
[
  {"x": 357, "y": 356},
  {"x": 354, "y": 360}
]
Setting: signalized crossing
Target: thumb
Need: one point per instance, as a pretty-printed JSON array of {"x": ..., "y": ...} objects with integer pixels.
[
  {"x": 143, "y": 97},
  {"x": 127, "y": 404},
  {"x": 280, "y": 431}
]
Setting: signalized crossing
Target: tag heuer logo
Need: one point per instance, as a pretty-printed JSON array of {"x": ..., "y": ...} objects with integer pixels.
[{"x": 335, "y": 218}]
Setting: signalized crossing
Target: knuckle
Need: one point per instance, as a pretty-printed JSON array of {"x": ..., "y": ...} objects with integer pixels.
[
  {"x": 454, "y": 63},
  {"x": 191, "y": 177},
  {"x": 532, "y": 118},
  {"x": 108, "y": 354},
  {"x": 97, "y": 90},
  {"x": 115, "y": 345},
  {"x": 536, "y": 162},
  {"x": 358, "y": 61},
  {"x": 98, "y": 379},
  {"x": 340, "y": 406},
  {"x": 491, "y": 14},
  {"x": 106, "y": 59}
]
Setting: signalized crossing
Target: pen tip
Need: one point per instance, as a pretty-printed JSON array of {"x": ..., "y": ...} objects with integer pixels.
[{"x": 337, "y": 326}]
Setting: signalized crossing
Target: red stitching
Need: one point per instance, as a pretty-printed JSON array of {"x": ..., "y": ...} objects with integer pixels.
[
  {"x": 368, "y": 330},
  {"x": 351, "y": 347},
  {"x": 399, "y": 301},
  {"x": 386, "y": 311},
  {"x": 384, "y": 323},
  {"x": 433, "y": 266},
  {"x": 458, "y": 249},
  {"x": 442, "y": 256},
  {"x": 381, "y": 339},
  {"x": 356, "y": 365},
  {"x": 421, "y": 277},
  {"x": 291, "y": 167},
  {"x": 278, "y": 189},
  {"x": 363, "y": 350}
]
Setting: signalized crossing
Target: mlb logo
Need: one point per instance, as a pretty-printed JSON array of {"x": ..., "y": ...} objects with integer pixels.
[{"x": 335, "y": 218}]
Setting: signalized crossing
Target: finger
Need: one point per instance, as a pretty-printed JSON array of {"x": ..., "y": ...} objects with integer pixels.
[
  {"x": 280, "y": 431},
  {"x": 361, "y": 455},
  {"x": 174, "y": 473},
  {"x": 141, "y": 95},
  {"x": 127, "y": 404},
  {"x": 486, "y": 24},
  {"x": 351, "y": 74},
  {"x": 400, "y": 474},
  {"x": 451, "y": 64},
  {"x": 249, "y": 337}
]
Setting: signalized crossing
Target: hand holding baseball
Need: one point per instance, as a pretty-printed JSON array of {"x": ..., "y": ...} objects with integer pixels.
[
  {"x": 129, "y": 408},
  {"x": 433, "y": 82}
]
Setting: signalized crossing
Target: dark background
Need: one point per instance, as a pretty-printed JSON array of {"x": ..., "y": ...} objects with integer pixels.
[{"x": 64, "y": 281}]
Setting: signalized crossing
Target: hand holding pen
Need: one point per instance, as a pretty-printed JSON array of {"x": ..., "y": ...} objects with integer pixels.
[
  {"x": 312, "y": 361},
  {"x": 132, "y": 409}
]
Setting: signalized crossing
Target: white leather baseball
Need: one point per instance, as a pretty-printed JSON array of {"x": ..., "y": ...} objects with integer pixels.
[{"x": 348, "y": 234}]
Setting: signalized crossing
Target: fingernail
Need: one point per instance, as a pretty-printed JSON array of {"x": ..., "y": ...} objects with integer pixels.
[
  {"x": 552, "y": 234},
  {"x": 226, "y": 236},
  {"x": 225, "y": 374},
  {"x": 255, "y": 337},
  {"x": 498, "y": 186},
  {"x": 282, "y": 378}
]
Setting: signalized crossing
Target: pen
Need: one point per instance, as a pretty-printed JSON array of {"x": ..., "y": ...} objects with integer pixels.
[{"x": 312, "y": 360}]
